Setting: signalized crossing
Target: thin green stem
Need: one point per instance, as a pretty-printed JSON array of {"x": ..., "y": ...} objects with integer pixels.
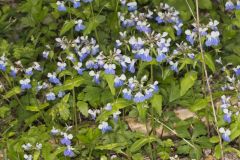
[
  {"x": 174, "y": 132},
  {"x": 74, "y": 110}
]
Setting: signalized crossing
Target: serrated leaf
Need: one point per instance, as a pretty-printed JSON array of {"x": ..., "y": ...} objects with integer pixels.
[
  {"x": 67, "y": 26},
  {"x": 187, "y": 82},
  {"x": 136, "y": 146}
]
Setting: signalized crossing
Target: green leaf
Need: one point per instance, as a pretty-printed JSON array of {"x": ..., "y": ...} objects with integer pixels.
[
  {"x": 119, "y": 104},
  {"x": 174, "y": 92},
  {"x": 69, "y": 84},
  {"x": 187, "y": 82},
  {"x": 12, "y": 92},
  {"x": 214, "y": 139},
  {"x": 32, "y": 108},
  {"x": 3, "y": 111},
  {"x": 93, "y": 24},
  {"x": 156, "y": 102},
  {"x": 142, "y": 111},
  {"x": 136, "y": 146},
  {"x": 209, "y": 62},
  {"x": 83, "y": 107},
  {"x": 110, "y": 80},
  {"x": 36, "y": 155},
  {"x": 110, "y": 146},
  {"x": 205, "y": 4},
  {"x": 217, "y": 151},
  {"x": 199, "y": 104},
  {"x": 67, "y": 26}
]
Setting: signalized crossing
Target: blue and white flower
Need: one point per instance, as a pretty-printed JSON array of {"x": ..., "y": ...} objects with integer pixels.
[
  {"x": 237, "y": 70},
  {"x": 29, "y": 71},
  {"x": 132, "y": 6},
  {"x": 174, "y": 66},
  {"x": 52, "y": 78},
  {"x": 3, "y": 64},
  {"x": 96, "y": 76},
  {"x": 227, "y": 115},
  {"x": 136, "y": 44},
  {"x": 13, "y": 71},
  {"x": 45, "y": 54},
  {"x": 36, "y": 66},
  {"x": 27, "y": 146},
  {"x": 108, "y": 107},
  {"x": 39, "y": 146},
  {"x": 50, "y": 96},
  {"x": 76, "y": 3},
  {"x": 61, "y": 94},
  {"x": 109, "y": 68},
  {"x": 116, "y": 116},
  {"x": 119, "y": 81},
  {"x": 79, "y": 25},
  {"x": 161, "y": 56},
  {"x": 127, "y": 94},
  {"x": 225, "y": 134},
  {"x": 68, "y": 152},
  {"x": 66, "y": 140},
  {"x": 61, "y": 66},
  {"x": 104, "y": 127},
  {"x": 212, "y": 39},
  {"x": 25, "y": 84},
  {"x": 160, "y": 18},
  {"x": 238, "y": 5},
  {"x": 144, "y": 55},
  {"x": 229, "y": 6},
  {"x": 142, "y": 26},
  {"x": 61, "y": 6},
  {"x": 55, "y": 131},
  {"x": 213, "y": 25},
  {"x": 139, "y": 97},
  {"x": 190, "y": 36},
  {"x": 71, "y": 58},
  {"x": 79, "y": 68},
  {"x": 87, "y": 1},
  {"x": 93, "y": 113},
  {"x": 27, "y": 157}
]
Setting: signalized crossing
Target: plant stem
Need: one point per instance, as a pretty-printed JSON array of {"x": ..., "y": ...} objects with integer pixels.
[
  {"x": 207, "y": 80},
  {"x": 74, "y": 110},
  {"x": 174, "y": 132}
]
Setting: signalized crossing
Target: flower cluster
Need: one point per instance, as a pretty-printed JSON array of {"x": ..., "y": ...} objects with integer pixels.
[
  {"x": 230, "y": 6},
  {"x": 138, "y": 91},
  {"x": 164, "y": 14},
  {"x": 29, "y": 148},
  {"x": 209, "y": 32},
  {"x": 75, "y": 3},
  {"x": 228, "y": 106},
  {"x": 65, "y": 140}
]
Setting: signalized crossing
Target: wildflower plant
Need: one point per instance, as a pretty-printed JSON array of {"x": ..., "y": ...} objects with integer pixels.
[{"x": 71, "y": 88}]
